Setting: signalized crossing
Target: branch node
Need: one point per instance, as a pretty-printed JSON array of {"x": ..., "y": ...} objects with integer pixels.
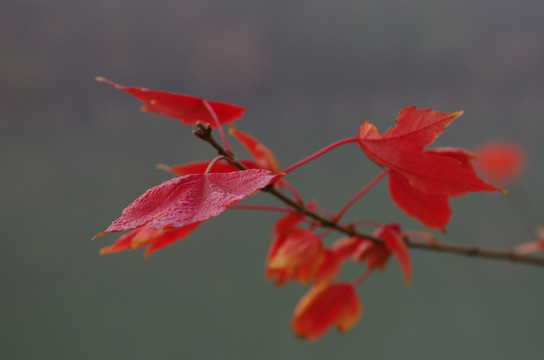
[{"x": 203, "y": 131}]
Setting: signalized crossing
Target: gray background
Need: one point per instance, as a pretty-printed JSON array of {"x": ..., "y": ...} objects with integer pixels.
[{"x": 74, "y": 153}]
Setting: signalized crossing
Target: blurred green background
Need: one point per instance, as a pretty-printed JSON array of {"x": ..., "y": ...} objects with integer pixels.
[{"x": 74, "y": 153}]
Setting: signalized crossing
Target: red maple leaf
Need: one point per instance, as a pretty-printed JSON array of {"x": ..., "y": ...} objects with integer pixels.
[
  {"x": 190, "y": 199},
  {"x": 188, "y": 109},
  {"x": 424, "y": 176}
]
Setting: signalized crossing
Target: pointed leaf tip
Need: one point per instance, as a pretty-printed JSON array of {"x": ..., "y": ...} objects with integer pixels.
[{"x": 98, "y": 235}]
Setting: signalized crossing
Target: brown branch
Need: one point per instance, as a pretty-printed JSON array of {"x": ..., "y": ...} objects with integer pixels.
[{"x": 204, "y": 132}]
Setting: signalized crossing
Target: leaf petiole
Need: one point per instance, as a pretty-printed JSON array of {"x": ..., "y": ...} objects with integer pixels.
[
  {"x": 212, "y": 163},
  {"x": 319, "y": 153},
  {"x": 217, "y": 124}
]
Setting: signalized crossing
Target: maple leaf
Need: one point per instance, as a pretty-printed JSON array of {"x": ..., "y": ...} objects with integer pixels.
[
  {"x": 187, "y": 109},
  {"x": 418, "y": 175},
  {"x": 190, "y": 199},
  {"x": 325, "y": 306},
  {"x": 500, "y": 161}
]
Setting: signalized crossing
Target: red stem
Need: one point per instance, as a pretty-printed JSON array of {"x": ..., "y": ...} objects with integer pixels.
[
  {"x": 217, "y": 124},
  {"x": 319, "y": 153},
  {"x": 360, "y": 194}
]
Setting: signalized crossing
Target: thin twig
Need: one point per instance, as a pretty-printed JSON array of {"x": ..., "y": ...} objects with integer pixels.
[{"x": 203, "y": 131}]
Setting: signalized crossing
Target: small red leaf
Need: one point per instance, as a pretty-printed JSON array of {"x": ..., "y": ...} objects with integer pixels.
[
  {"x": 169, "y": 237},
  {"x": 375, "y": 255},
  {"x": 294, "y": 255},
  {"x": 393, "y": 238},
  {"x": 329, "y": 267},
  {"x": 188, "y": 109},
  {"x": 190, "y": 199},
  {"x": 264, "y": 158},
  {"x": 300, "y": 247},
  {"x": 155, "y": 238}
]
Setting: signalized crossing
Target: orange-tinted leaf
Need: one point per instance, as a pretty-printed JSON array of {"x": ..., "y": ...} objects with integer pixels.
[
  {"x": 187, "y": 109},
  {"x": 169, "y": 237},
  {"x": 500, "y": 161},
  {"x": 155, "y": 238},
  {"x": 190, "y": 199},
  {"x": 295, "y": 254},
  {"x": 300, "y": 247},
  {"x": 264, "y": 158},
  {"x": 325, "y": 306},
  {"x": 329, "y": 267},
  {"x": 125, "y": 242}
]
